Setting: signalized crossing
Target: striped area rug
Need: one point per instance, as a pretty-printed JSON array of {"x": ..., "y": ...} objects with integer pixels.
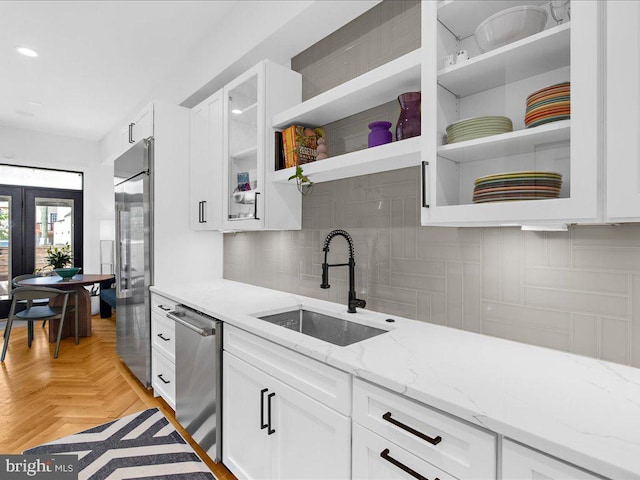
[{"x": 140, "y": 446}]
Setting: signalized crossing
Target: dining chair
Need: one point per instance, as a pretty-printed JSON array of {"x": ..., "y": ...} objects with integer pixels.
[
  {"x": 15, "y": 283},
  {"x": 39, "y": 312}
]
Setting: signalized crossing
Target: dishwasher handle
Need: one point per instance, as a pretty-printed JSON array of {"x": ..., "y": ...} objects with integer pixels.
[{"x": 205, "y": 332}]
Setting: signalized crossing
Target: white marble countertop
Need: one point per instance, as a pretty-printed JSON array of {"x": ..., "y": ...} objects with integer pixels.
[{"x": 579, "y": 409}]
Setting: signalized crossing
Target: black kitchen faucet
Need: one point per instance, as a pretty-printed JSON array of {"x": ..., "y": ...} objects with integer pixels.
[{"x": 353, "y": 301}]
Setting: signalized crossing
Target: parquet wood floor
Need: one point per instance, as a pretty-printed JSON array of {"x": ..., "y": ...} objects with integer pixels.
[{"x": 42, "y": 399}]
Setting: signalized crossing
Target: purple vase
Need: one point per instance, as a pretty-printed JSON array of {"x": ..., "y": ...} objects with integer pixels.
[
  {"x": 379, "y": 134},
  {"x": 409, "y": 122}
]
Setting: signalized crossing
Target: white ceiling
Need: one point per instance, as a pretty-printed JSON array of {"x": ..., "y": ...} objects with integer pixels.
[{"x": 97, "y": 59}]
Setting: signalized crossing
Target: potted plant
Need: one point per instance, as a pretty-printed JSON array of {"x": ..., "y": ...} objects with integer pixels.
[
  {"x": 58, "y": 259},
  {"x": 302, "y": 181}
]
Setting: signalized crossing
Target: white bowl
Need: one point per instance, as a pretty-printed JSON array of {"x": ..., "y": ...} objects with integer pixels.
[{"x": 509, "y": 26}]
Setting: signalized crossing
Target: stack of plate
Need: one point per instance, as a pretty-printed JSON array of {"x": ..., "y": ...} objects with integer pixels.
[
  {"x": 517, "y": 186},
  {"x": 548, "y": 105},
  {"x": 477, "y": 127}
]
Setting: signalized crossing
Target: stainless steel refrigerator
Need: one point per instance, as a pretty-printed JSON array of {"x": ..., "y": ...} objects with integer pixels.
[{"x": 134, "y": 253}]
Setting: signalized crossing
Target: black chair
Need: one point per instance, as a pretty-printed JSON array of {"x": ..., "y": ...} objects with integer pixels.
[
  {"x": 15, "y": 283},
  {"x": 39, "y": 312}
]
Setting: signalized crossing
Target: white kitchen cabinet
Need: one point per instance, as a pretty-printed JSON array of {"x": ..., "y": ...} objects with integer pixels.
[
  {"x": 522, "y": 463},
  {"x": 205, "y": 164},
  {"x": 249, "y": 201},
  {"x": 140, "y": 126},
  {"x": 377, "y": 458},
  {"x": 497, "y": 83},
  {"x": 274, "y": 431},
  {"x": 623, "y": 111}
]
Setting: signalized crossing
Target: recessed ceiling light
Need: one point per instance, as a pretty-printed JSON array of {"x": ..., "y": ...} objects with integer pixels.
[
  {"x": 27, "y": 52},
  {"x": 236, "y": 111},
  {"x": 34, "y": 103}
]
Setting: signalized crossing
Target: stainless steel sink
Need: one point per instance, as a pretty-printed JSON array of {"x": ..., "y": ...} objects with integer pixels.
[{"x": 324, "y": 327}]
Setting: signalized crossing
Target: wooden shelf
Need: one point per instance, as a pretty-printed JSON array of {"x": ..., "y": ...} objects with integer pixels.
[
  {"x": 369, "y": 90},
  {"x": 461, "y": 18},
  {"x": 542, "y": 52},
  {"x": 392, "y": 156},
  {"x": 505, "y": 144}
]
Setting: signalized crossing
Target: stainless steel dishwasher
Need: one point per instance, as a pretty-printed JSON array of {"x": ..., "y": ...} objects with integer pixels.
[{"x": 199, "y": 377}]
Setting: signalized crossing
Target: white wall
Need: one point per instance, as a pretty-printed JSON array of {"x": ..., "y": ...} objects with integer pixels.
[{"x": 35, "y": 149}]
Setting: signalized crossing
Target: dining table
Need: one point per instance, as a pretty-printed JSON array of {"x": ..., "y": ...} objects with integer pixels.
[{"x": 77, "y": 283}]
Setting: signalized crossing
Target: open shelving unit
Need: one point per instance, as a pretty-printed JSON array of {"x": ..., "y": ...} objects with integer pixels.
[{"x": 497, "y": 83}]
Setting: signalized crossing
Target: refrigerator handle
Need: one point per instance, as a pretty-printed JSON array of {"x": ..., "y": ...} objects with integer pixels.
[{"x": 122, "y": 279}]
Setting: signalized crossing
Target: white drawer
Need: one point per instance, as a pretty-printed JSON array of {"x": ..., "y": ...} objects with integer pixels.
[
  {"x": 163, "y": 372},
  {"x": 163, "y": 334},
  {"x": 458, "y": 448},
  {"x": 326, "y": 384},
  {"x": 162, "y": 305},
  {"x": 376, "y": 458},
  {"x": 520, "y": 463}
]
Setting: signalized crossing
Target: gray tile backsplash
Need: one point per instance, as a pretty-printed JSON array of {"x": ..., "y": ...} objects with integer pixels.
[{"x": 577, "y": 291}]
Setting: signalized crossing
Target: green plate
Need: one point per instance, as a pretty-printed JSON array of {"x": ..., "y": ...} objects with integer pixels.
[{"x": 548, "y": 120}]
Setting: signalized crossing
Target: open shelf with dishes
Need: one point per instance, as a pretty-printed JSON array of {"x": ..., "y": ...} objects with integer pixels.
[{"x": 501, "y": 130}]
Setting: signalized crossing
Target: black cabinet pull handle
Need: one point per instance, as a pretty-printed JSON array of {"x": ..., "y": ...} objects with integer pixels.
[
  {"x": 131, "y": 133},
  {"x": 204, "y": 211},
  {"x": 262, "y": 424},
  {"x": 424, "y": 185},
  {"x": 270, "y": 431},
  {"x": 164, "y": 338},
  {"x": 163, "y": 307},
  {"x": 163, "y": 380},
  {"x": 255, "y": 206},
  {"x": 199, "y": 212},
  {"x": 385, "y": 454},
  {"x": 407, "y": 428}
]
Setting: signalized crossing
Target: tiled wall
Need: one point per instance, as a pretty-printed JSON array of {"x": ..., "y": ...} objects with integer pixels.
[{"x": 577, "y": 291}]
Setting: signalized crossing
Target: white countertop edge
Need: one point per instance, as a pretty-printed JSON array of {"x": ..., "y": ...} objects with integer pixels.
[{"x": 592, "y": 455}]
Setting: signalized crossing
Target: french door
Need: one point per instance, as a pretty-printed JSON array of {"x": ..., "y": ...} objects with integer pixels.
[{"x": 31, "y": 220}]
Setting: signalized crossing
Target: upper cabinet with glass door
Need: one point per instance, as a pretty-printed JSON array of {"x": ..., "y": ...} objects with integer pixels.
[
  {"x": 250, "y": 203},
  {"x": 533, "y": 159}
]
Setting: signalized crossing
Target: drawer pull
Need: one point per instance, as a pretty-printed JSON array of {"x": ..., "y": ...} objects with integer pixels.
[
  {"x": 262, "y": 424},
  {"x": 163, "y": 380},
  {"x": 385, "y": 454},
  {"x": 164, "y": 338},
  {"x": 431, "y": 440},
  {"x": 164, "y": 307}
]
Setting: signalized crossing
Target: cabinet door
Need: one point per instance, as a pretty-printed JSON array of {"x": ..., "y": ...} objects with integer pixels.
[
  {"x": 205, "y": 168},
  {"x": 244, "y": 133},
  {"x": 245, "y": 445},
  {"x": 623, "y": 111},
  {"x": 377, "y": 458},
  {"x": 310, "y": 440},
  {"x": 522, "y": 463}
]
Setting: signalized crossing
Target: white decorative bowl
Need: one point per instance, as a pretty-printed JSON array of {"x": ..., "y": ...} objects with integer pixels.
[{"x": 509, "y": 26}]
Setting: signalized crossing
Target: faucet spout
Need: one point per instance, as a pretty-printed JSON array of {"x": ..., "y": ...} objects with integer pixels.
[{"x": 353, "y": 302}]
